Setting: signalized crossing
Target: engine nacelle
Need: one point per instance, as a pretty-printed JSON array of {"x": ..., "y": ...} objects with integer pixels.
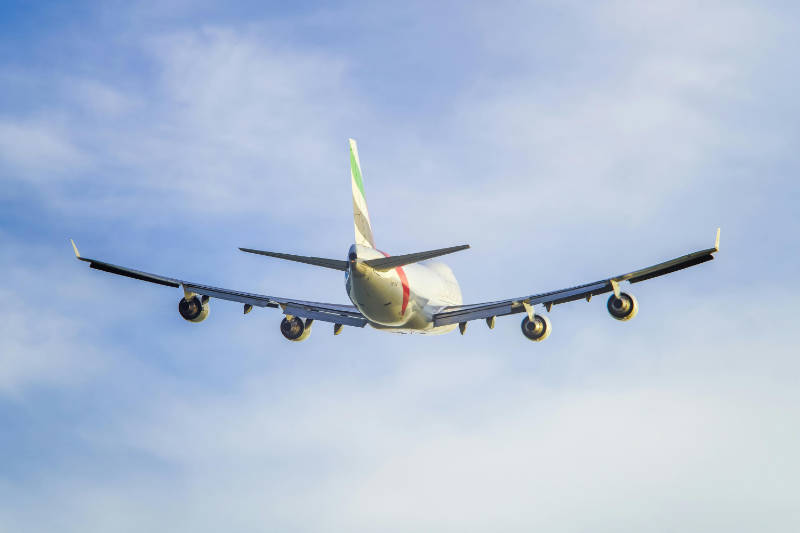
[
  {"x": 195, "y": 309},
  {"x": 537, "y": 329},
  {"x": 623, "y": 308},
  {"x": 295, "y": 329}
]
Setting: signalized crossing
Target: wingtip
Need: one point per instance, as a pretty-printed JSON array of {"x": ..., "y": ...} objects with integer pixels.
[
  {"x": 75, "y": 248},
  {"x": 716, "y": 241}
]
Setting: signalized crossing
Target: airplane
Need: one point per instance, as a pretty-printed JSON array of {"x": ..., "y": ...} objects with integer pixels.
[{"x": 402, "y": 293}]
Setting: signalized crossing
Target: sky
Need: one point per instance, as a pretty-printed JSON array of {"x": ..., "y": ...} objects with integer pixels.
[{"x": 565, "y": 141}]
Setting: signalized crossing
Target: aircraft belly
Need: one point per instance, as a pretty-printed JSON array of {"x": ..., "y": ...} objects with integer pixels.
[{"x": 419, "y": 323}]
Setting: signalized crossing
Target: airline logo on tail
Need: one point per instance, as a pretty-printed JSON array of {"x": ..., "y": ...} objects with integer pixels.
[{"x": 363, "y": 228}]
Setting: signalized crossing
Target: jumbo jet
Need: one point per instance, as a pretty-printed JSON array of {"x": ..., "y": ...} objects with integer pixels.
[{"x": 402, "y": 293}]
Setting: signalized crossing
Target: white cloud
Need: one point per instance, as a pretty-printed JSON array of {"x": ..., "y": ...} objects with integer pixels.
[
  {"x": 247, "y": 122},
  {"x": 618, "y": 129},
  {"x": 42, "y": 332},
  {"x": 230, "y": 122},
  {"x": 233, "y": 122},
  {"x": 40, "y": 150},
  {"x": 101, "y": 99},
  {"x": 38, "y": 347},
  {"x": 647, "y": 431}
]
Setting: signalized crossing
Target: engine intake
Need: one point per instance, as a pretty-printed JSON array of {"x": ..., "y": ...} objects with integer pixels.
[
  {"x": 537, "y": 329},
  {"x": 623, "y": 308},
  {"x": 295, "y": 329},
  {"x": 194, "y": 309}
]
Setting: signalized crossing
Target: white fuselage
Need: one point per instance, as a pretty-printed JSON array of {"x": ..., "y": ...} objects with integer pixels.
[{"x": 403, "y": 299}]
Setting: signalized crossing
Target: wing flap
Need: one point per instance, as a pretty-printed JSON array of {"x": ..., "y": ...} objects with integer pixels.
[
  {"x": 451, "y": 315},
  {"x": 230, "y": 295},
  {"x": 668, "y": 267},
  {"x": 572, "y": 294},
  {"x": 130, "y": 273},
  {"x": 325, "y": 315}
]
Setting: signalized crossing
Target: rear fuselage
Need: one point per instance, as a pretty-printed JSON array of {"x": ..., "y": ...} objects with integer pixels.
[{"x": 403, "y": 299}]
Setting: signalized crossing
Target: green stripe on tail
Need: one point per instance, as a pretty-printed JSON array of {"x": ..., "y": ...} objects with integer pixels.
[{"x": 363, "y": 228}]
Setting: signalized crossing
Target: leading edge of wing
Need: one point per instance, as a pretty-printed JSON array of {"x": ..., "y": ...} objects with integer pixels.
[{"x": 465, "y": 313}]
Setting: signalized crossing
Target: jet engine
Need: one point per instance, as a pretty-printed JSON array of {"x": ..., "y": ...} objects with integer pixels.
[
  {"x": 194, "y": 309},
  {"x": 537, "y": 329},
  {"x": 295, "y": 329},
  {"x": 623, "y": 308}
]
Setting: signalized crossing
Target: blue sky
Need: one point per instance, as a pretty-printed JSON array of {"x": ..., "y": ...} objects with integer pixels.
[{"x": 565, "y": 142}]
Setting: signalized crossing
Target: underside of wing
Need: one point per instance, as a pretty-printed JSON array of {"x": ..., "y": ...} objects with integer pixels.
[
  {"x": 488, "y": 310},
  {"x": 196, "y": 311}
]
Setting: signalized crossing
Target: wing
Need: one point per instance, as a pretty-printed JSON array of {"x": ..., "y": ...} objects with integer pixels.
[
  {"x": 465, "y": 313},
  {"x": 338, "y": 314}
]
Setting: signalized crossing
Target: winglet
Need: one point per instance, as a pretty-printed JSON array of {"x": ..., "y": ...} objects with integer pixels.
[
  {"x": 716, "y": 242},
  {"x": 77, "y": 253}
]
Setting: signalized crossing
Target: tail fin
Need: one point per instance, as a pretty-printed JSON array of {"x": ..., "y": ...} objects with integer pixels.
[{"x": 363, "y": 228}]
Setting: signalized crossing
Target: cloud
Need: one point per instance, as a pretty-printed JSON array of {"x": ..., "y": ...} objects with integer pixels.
[
  {"x": 39, "y": 347},
  {"x": 228, "y": 122},
  {"x": 470, "y": 440},
  {"x": 39, "y": 150},
  {"x": 665, "y": 425},
  {"x": 637, "y": 116},
  {"x": 100, "y": 98},
  {"x": 41, "y": 337},
  {"x": 242, "y": 101}
]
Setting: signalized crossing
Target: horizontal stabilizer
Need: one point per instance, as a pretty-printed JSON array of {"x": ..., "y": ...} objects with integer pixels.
[
  {"x": 335, "y": 264},
  {"x": 388, "y": 263}
]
